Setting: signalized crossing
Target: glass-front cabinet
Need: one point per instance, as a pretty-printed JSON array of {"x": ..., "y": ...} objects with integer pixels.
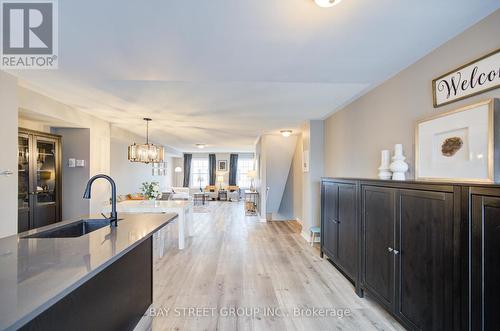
[{"x": 39, "y": 188}]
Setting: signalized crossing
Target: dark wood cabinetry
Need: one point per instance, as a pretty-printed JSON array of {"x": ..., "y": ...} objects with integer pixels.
[
  {"x": 347, "y": 257},
  {"x": 330, "y": 222},
  {"x": 424, "y": 259},
  {"x": 485, "y": 259},
  {"x": 39, "y": 179},
  {"x": 411, "y": 247},
  {"x": 340, "y": 224},
  {"x": 378, "y": 238}
]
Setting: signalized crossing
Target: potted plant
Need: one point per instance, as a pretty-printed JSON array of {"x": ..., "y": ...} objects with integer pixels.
[{"x": 150, "y": 190}]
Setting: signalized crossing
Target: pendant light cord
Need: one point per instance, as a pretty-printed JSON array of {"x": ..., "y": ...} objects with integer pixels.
[{"x": 147, "y": 129}]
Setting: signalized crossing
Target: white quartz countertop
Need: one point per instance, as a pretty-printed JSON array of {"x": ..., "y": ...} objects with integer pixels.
[
  {"x": 36, "y": 273},
  {"x": 146, "y": 206}
]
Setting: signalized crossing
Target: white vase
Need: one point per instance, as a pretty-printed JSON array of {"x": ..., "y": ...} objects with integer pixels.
[
  {"x": 398, "y": 166},
  {"x": 385, "y": 159}
]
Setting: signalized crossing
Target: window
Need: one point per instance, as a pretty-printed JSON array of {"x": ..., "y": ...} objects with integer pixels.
[
  {"x": 244, "y": 166},
  {"x": 199, "y": 172}
]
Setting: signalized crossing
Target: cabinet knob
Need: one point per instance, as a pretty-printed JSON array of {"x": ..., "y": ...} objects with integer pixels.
[
  {"x": 396, "y": 252},
  {"x": 389, "y": 249}
]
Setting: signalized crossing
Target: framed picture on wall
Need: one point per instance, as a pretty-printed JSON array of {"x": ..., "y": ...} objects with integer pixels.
[
  {"x": 473, "y": 78},
  {"x": 458, "y": 145},
  {"x": 222, "y": 165}
]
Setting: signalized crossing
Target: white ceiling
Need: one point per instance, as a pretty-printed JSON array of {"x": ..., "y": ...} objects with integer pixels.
[{"x": 222, "y": 72}]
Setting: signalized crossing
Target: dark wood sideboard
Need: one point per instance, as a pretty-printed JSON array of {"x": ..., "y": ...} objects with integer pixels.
[{"x": 429, "y": 253}]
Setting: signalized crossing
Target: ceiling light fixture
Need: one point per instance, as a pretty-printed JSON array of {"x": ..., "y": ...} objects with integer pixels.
[
  {"x": 286, "y": 133},
  {"x": 327, "y": 3},
  {"x": 200, "y": 146},
  {"x": 146, "y": 153}
]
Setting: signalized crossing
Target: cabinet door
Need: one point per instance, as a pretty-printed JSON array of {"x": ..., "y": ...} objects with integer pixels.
[
  {"x": 24, "y": 186},
  {"x": 485, "y": 263},
  {"x": 424, "y": 259},
  {"x": 330, "y": 220},
  {"x": 378, "y": 229},
  {"x": 347, "y": 230},
  {"x": 46, "y": 182}
]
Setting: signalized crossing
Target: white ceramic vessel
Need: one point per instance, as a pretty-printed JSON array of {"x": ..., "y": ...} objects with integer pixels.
[
  {"x": 385, "y": 159},
  {"x": 398, "y": 166}
]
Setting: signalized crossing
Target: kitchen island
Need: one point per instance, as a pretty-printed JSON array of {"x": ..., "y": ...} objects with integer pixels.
[
  {"x": 183, "y": 208},
  {"x": 98, "y": 281}
]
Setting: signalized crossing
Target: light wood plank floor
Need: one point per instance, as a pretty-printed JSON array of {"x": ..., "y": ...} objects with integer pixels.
[{"x": 235, "y": 261}]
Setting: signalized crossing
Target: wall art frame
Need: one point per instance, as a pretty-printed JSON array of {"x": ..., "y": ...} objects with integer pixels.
[
  {"x": 222, "y": 165},
  {"x": 461, "y": 145},
  {"x": 467, "y": 80}
]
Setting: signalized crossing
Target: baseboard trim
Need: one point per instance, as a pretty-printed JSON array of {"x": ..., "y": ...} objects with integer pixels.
[{"x": 307, "y": 237}]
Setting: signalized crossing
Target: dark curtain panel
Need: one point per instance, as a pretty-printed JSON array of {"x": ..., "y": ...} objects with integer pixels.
[
  {"x": 187, "y": 168},
  {"x": 212, "y": 168},
  {"x": 233, "y": 169}
]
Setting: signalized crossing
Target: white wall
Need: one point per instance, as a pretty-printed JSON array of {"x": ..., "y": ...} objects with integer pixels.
[
  {"x": 129, "y": 175},
  {"x": 33, "y": 125},
  {"x": 279, "y": 158},
  {"x": 276, "y": 155},
  {"x": 260, "y": 182},
  {"x": 8, "y": 157},
  {"x": 292, "y": 205},
  {"x": 311, "y": 193},
  {"x": 298, "y": 180},
  {"x": 302, "y": 197}
]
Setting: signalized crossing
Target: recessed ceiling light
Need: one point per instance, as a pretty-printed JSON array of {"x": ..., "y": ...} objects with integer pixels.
[
  {"x": 327, "y": 3},
  {"x": 200, "y": 146},
  {"x": 286, "y": 133}
]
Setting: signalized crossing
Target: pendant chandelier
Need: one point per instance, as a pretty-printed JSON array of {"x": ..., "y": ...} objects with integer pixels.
[{"x": 146, "y": 153}]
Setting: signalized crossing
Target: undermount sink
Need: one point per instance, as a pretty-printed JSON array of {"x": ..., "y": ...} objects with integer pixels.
[{"x": 72, "y": 230}]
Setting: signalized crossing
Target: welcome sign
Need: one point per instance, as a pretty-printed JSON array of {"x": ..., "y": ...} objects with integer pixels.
[{"x": 476, "y": 77}]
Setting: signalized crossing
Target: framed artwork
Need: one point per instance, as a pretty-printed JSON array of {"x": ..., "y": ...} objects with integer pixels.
[
  {"x": 473, "y": 78},
  {"x": 458, "y": 145},
  {"x": 222, "y": 165}
]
